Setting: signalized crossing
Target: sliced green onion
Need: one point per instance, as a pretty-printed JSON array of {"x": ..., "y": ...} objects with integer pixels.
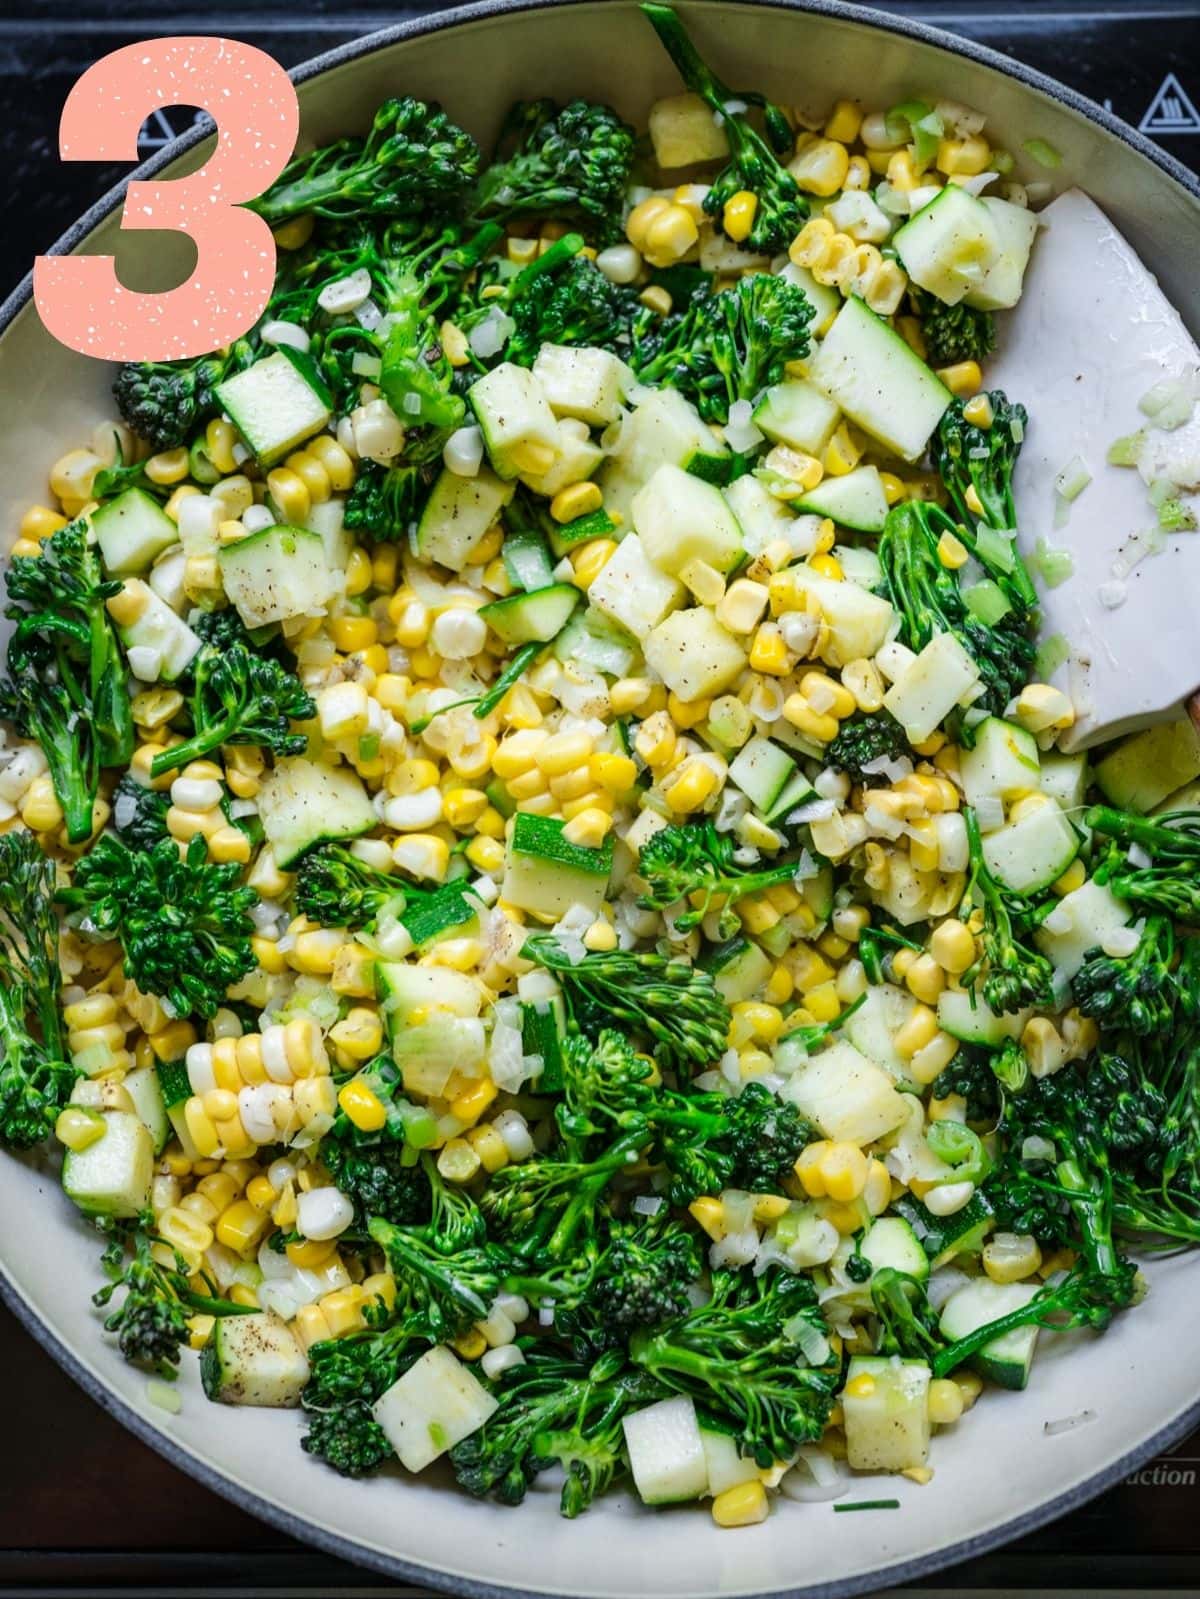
[
  {"x": 1043, "y": 153},
  {"x": 366, "y": 366},
  {"x": 1073, "y": 479},
  {"x": 1052, "y": 566},
  {"x": 166, "y": 1398},
  {"x": 869, "y": 1504},
  {"x": 368, "y": 746},
  {"x": 918, "y": 121},
  {"x": 1053, "y": 652},
  {"x": 1169, "y": 404},
  {"x": 995, "y": 549},
  {"x": 1127, "y": 450},
  {"x": 987, "y": 602},
  {"x": 1002, "y": 162},
  {"x": 1176, "y": 517}
]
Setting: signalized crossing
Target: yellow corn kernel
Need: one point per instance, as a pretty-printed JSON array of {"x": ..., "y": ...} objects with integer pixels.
[
  {"x": 920, "y": 1029},
  {"x": 200, "y": 1330},
  {"x": 738, "y": 214},
  {"x": 818, "y": 725},
  {"x": 562, "y": 753},
  {"x": 470, "y": 1106},
  {"x": 310, "y": 1254},
  {"x": 903, "y": 173},
  {"x": 709, "y": 1214},
  {"x": 928, "y": 1063},
  {"x": 693, "y": 787},
  {"x": 629, "y": 694},
  {"x": 241, "y": 1226},
  {"x": 457, "y": 1161},
  {"x": 310, "y": 1326},
  {"x": 293, "y": 235},
  {"x": 353, "y": 633},
  {"x": 843, "y": 1168},
  {"x": 821, "y": 167},
  {"x": 79, "y": 1127},
  {"x": 877, "y": 1190},
  {"x": 860, "y": 1387},
  {"x": 832, "y": 696},
  {"x": 589, "y": 828},
  {"x": 315, "y": 952},
  {"x": 742, "y": 1506},
  {"x": 613, "y": 771},
  {"x": 260, "y": 1193},
  {"x": 965, "y": 158},
  {"x": 944, "y": 1401},
  {"x": 173, "y": 1041},
  {"x": 268, "y": 954},
  {"x": 470, "y": 1345},
  {"x": 670, "y": 233},
  {"x": 359, "y": 1034},
  {"x": 925, "y": 979},
  {"x": 39, "y": 522},
  {"x": 184, "y": 1232},
  {"x": 363, "y": 1106},
  {"x": 979, "y": 411},
  {"x": 589, "y": 561},
  {"x": 655, "y": 740},
  {"x": 843, "y": 122},
  {"x": 952, "y": 946},
  {"x": 1074, "y": 877},
  {"x": 228, "y": 844},
  {"x": 485, "y": 854},
  {"x": 769, "y": 654},
  {"x": 579, "y": 499},
  {"x": 963, "y": 378},
  {"x": 822, "y": 1002}
]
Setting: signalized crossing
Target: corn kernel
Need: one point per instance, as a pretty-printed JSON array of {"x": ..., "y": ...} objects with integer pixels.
[
  {"x": 821, "y": 167},
  {"x": 945, "y": 1401},
  {"x": 843, "y": 122},
  {"x": 579, "y": 499},
  {"x": 709, "y": 1214},
  {"x": 963, "y": 157},
  {"x": 769, "y": 653},
  {"x": 963, "y": 378},
  {"x": 737, "y": 215},
  {"x": 920, "y": 1029},
  {"x": 742, "y": 1506}
]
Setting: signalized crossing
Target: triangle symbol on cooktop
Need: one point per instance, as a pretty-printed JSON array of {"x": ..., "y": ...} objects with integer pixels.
[{"x": 1171, "y": 110}]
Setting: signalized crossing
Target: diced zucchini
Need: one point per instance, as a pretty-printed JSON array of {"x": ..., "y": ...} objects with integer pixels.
[
  {"x": 578, "y": 457},
  {"x": 1092, "y": 912},
  {"x": 727, "y": 1467},
  {"x": 405, "y": 990},
  {"x": 1033, "y": 852},
  {"x": 303, "y": 803},
  {"x": 518, "y": 426},
  {"x": 143, "y": 1088},
  {"x": 739, "y": 968},
  {"x": 694, "y": 655},
  {"x": 762, "y": 770},
  {"x": 632, "y": 591},
  {"x": 176, "y": 1091},
  {"x": 761, "y": 517},
  {"x": 532, "y": 618},
  {"x": 1003, "y": 764},
  {"x": 1016, "y": 228},
  {"x": 845, "y": 1095},
  {"x": 858, "y": 621},
  {"x": 132, "y": 531},
  {"x": 1186, "y": 798},
  {"x": 855, "y": 501},
  {"x": 876, "y": 1022},
  {"x": 859, "y": 564},
  {"x": 1007, "y": 1359},
  {"x": 666, "y": 1452},
  {"x": 662, "y": 428},
  {"x": 526, "y": 557},
  {"x": 1065, "y": 778},
  {"x": 583, "y": 383},
  {"x": 950, "y": 245},
  {"x": 254, "y": 1360},
  {"x": 878, "y": 381},
  {"x": 945, "y": 1238},
  {"x": 543, "y": 1028},
  {"x": 436, "y": 1404},
  {"x": 592, "y": 640},
  {"x": 965, "y": 1015},
  {"x": 796, "y": 793},
  {"x": 1142, "y": 771},
  {"x": 825, "y": 300},
  {"x": 112, "y": 1177},
  {"x": 889, "y": 1242},
  {"x": 797, "y": 414},
  {"x": 683, "y": 131},
  {"x": 328, "y": 518},
  {"x": 886, "y": 1408},
  {"x": 925, "y": 693},
  {"x": 161, "y": 632},
  {"x": 458, "y": 515},
  {"x": 277, "y": 403},
  {"x": 429, "y": 1052},
  {"x": 681, "y": 519},
  {"x": 547, "y": 875},
  {"x": 567, "y": 536},
  {"x": 448, "y": 909},
  {"x": 276, "y": 574}
]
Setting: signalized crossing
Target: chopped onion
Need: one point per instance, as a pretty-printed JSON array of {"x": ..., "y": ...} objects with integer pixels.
[
  {"x": 366, "y": 366},
  {"x": 1127, "y": 450},
  {"x": 1138, "y": 857},
  {"x": 977, "y": 184},
  {"x": 1073, "y": 479},
  {"x": 1043, "y": 153},
  {"x": 1052, "y": 566},
  {"x": 740, "y": 431},
  {"x": 986, "y": 600},
  {"x": 816, "y": 1477},
  {"x": 1112, "y": 595},
  {"x": 488, "y": 338},
  {"x": 989, "y": 812},
  {"x": 1036, "y": 1148},
  {"x": 1068, "y": 1423},
  {"x": 164, "y": 1396},
  {"x": 1059, "y": 921},
  {"x": 1170, "y": 403},
  {"x": 944, "y": 1282},
  {"x": 1052, "y": 653},
  {"x": 1120, "y": 942},
  {"x": 647, "y": 1205},
  {"x": 462, "y": 453}
]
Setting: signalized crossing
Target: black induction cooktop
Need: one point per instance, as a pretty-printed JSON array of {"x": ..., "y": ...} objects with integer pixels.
[{"x": 84, "y": 1507}]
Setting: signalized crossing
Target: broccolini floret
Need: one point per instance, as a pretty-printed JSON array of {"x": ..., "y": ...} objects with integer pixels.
[
  {"x": 240, "y": 697},
  {"x": 34, "y": 1084},
  {"x": 670, "y": 1002},
  {"x": 183, "y": 922},
  {"x": 346, "y": 1376},
  {"x": 1012, "y": 973},
  {"x": 953, "y": 332},
  {"x": 164, "y": 402},
  {"x": 729, "y": 346},
  {"x": 336, "y": 889},
  {"x": 67, "y": 683},
  {"x": 570, "y": 162},
  {"x": 140, "y": 813},
  {"x": 1134, "y": 991},
  {"x": 413, "y": 158},
  {"x": 1163, "y": 874},
  {"x": 689, "y": 859},
  {"x": 865, "y": 740},
  {"x": 780, "y": 208},
  {"x": 29, "y": 932}
]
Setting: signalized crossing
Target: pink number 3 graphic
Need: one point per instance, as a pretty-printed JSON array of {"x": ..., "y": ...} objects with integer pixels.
[{"x": 251, "y": 99}]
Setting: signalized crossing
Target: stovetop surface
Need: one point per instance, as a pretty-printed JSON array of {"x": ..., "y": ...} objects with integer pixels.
[{"x": 69, "y": 1494}]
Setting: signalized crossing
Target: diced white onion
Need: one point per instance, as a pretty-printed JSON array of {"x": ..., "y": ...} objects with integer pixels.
[
  {"x": 288, "y": 333},
  {"x": 1068, "y": 1423},
  {"x": 740, "y": 431},
  {"x": 323, "y": 1213},
  {"x": 346, "y": 294},
  {"x": 462, "y": 453},
  {"x": 1113, "y": 594},
  {"x": 816, "y": 1477},
  {"x": 1120, "y": 942}
]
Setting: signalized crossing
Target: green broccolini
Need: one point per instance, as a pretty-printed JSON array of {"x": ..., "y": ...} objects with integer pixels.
[
  {"x": 336, "y": 889},
  {"x": 754, "y": 166},
  {"x": 414, "y": 157},
  {"x": 346, "y": 1376},
  {"x": 140, "y": 813},
  {"x": 183, "y": 923},
  {"x": 1012, "y": 973},
  {"x": 1162, "y": 873},
  {"x": 687, "y": 859},
  {"x": 673, "y": 1004},
  {"x": 953, "y": 333},
  {"x": 239, "y": 697},
  {"x": 865, "y": 740},
  {"x": 66, "y": 685},
  {"x": 729, "y": 346},
  {"x": 34, "y": 1084},
  {"x": 1135, "y": 991},
  {"x": 29, "y": 932},
  {"x": 570, "y": 162}
]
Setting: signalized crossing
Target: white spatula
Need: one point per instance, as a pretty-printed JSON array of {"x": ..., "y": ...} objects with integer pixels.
[{"x": 1093, "y": 334}]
